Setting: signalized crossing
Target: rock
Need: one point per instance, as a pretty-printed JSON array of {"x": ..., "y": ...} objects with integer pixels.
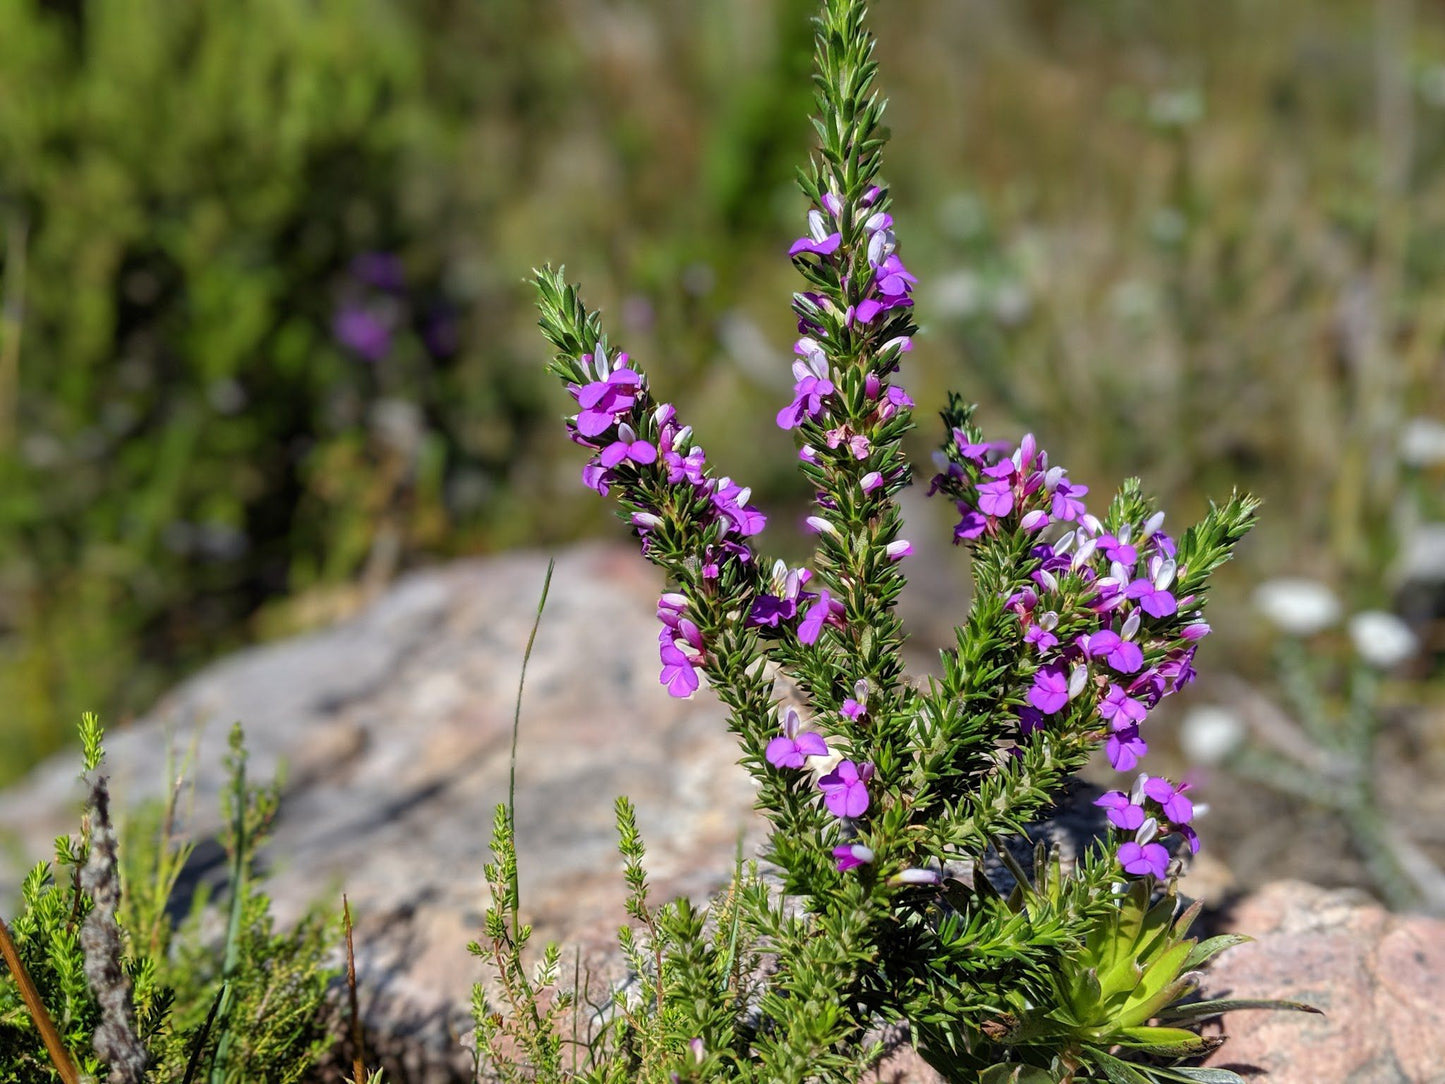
[
  {"x": 396, "y": 729},
  {"x": 1378, "y": 977}
]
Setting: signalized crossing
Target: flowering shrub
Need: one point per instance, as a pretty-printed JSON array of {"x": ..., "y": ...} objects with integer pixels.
[{"x": 881, "y": 791}]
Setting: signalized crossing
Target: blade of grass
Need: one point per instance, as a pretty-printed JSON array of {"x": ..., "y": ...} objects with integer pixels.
[
  {"x": 516, "y": 727},
  {"x": 194, "y": 1062},
  {"x": 31, "y": 996},
  {"x": 238, "y": 900}
]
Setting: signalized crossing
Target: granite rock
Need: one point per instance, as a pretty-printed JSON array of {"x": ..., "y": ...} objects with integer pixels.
[{"x": 1378, "y": 977}]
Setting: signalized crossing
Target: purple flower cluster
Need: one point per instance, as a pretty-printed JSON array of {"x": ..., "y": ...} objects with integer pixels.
[
  {"x": 884, "y": 284},
  {"x": 845, "y": 788},
  {"x": 613, "y": 410},
  {"x": 377, "y": 304},
  {"x": 1155, "y": 808},
  {"x": 1128, "y": 644},
  {"x": 788, "y": 601}
]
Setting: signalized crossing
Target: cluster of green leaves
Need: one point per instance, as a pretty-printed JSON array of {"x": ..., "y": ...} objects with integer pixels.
[{"x": 203, "y": 1011}]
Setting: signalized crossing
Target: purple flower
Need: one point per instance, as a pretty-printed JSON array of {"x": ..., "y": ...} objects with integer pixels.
[
  {"x": 362, "y": 331},
  {"x": 1117, "y": 550},
  {"x": 382, "y": 270},
  {"x": 1150, "y": 858},
  {"x": 1050, "y": 691},
  {"x": 1190, "y": 836},
  {"x": 858, "y": 444},
  {"x": 602, "y": 400},
  {"x": 1125, "y": 656},
  {"x": 823, "y": 611},
  {"x": 791, "y": 748},
  {"x": 972, "y": 525},
  {"x": 1154, "y": 601},
  {"x": 627, "y": 447},
  {"x": 679, "y": 675},
  {"x": 1041, "y": 638},
  {"x": 1066, "y": 503},
  {"x": 784, "y": 752},
  {"x": 1125, "y": 748},
  {"x": 808, "y": 396},
  {"x": 893, "y": 279},
  {"x": 772, "y": 610},
  {"x": 852, "y": 709},
  {"x": 1177, "y": 670},
  {"x": 1177, "y": 808},
  {"x": 597, "y": 477},
  {"x": 845, "y": 789},
  {"x": 1030, "y": 720},
  {"x": 996, "y": 498},
  {"x": 1121, "y": 709},
  {"x": 819, "y": 241},
  {"x": 971, "y": 451},
  {"x": 1122, "y": 813},
  {"x": 850, "y": 855},
  {"x": 679, "y": 669},
  {"x": 731, "y": 501},
  {"x": 865, "y": 311},
  {"x": 894, "y": 400}
]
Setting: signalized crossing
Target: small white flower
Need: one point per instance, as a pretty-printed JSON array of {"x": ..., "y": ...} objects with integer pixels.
[
  {"x": 1382, "y": 639},
  {"x": 1422, "y": 443},
  {"x": 1210, "y": 733},
  {"x": 1298, "y": 606}
]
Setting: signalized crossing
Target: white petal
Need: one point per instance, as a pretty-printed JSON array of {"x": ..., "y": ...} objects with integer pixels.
[{"x": 1382, "y": 639}]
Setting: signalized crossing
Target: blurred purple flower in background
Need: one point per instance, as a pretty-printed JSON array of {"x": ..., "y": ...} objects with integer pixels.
[{"x": 362, "y": 331}]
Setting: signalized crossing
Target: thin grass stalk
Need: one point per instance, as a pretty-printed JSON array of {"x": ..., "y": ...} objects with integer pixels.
[
  {"x": 193, "y": 1064},
  {"x": 516, "y": 729},
  {"x": 233, "y": 925}
]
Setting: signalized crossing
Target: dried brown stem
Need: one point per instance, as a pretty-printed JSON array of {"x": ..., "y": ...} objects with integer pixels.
[
  {"x": 31, "y": 996},
  {"x": 358, "y": 1063}
]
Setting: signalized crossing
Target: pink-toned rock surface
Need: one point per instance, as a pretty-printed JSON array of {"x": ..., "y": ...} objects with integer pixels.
[{"x": 1380, "y": 979}]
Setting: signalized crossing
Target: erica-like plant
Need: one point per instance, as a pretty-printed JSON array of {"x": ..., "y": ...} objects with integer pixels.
[{"x": 883, "y": 793}]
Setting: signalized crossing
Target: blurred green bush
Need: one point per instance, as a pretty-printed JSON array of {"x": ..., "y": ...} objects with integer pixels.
[{"x": 1204, "y": 246}]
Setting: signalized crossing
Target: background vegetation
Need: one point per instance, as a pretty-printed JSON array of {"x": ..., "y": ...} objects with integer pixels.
[{"x": 266, "y": 339}]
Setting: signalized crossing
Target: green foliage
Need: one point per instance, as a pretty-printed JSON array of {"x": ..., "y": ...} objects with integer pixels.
[
  {"x": 47, "y": 935},
  {"x": 193, "y": 181},
  {"x": 273, "y": 983},
  {"x": 1059, "y": 976}
]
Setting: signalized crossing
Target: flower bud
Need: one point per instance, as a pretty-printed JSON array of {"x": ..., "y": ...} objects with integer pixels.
[{"x": 819, "y": 525}]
